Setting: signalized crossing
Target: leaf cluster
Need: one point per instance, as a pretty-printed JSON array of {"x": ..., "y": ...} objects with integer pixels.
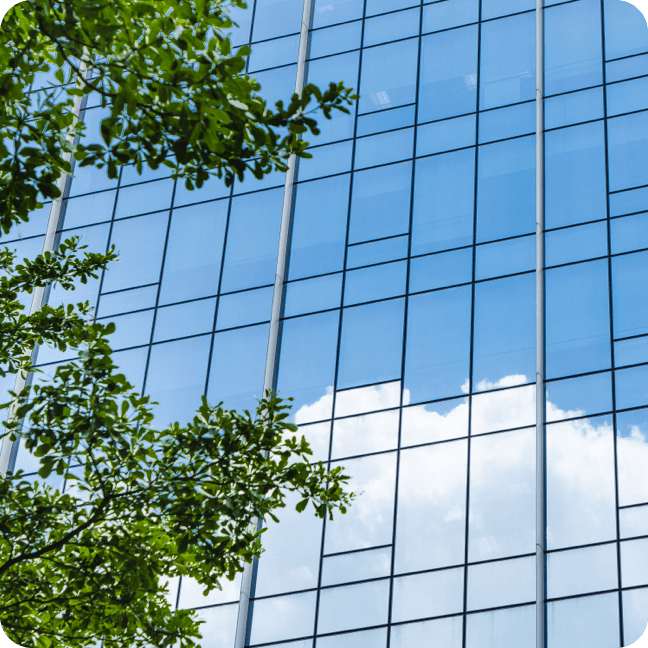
[{"x": 175, "y": 91}]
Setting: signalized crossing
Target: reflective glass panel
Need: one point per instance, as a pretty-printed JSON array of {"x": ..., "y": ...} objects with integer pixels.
[
  {"x": 437, "y": 366},
  {"x": 444, "y": 193},
  {"x": 511, "y": 627},
  {"x": 377, "y": 252},
  {"x": 310, "y": 295},
  {"x": 371, "y": 343},
  {"x": 504, "y": 582},
  {"x": 504, "y": 332},
  {"x": 448, "y": 14},
  {"x": 438, "y": 421},
  {"x": 580, "y": 571},
  {"x": 629, "y": 233},
  {"x": 319, "y": 227},
  {"x": 219, "y": 628},
  {"x": 249, "y": 307},
  {"x": 441, "y": 270},
  {"x": 575, "y": 175},
  {"x": 576, "y": 397},
  {"x": 632, "y": 453},
  {"x": 506, "y": 189},
  {"x": 252, "y": 239},
  {"x": 427, "y": 595},
  {"x": 586, "y": 622},
  {"x": 502, "y": 495},
  {"x": 573, "y": 108},
  {"x": 194, "y": 252},
  {"x": 176, "y": 378},
  {"x": 431, "y": 522},
  {"x": 144, "y": 198},
  {"x": 369, "y": 522},
  {"x": 307, "y": 365},
  {"x": 578, "y": 319},
  {"x": 580, "y": 482},
  {"x": 630, "y": 293},
  {"x": 448, "y": 77},
  {"x": 576, "y": 244},
  {"x": 364, "y": 434},
  {"x": 380, "y": 203},
  {"x": 446, "y": 633},
  {"x": 635, "y": 615},
  {"x": 282, "y": 617},
  {"x": 377, "y": 282},
  {"x": 628, "y": 151},
  {"x": 445, "y": 135},
  {"x": 237, "y": 367},
  {"x": 356, "y": 566},
  {"x": 505, "y": 257},
  {"x": 507, "y": 72},
  {"x": 353, "y": 606}
]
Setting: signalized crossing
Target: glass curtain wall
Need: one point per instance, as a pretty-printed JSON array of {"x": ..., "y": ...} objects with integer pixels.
[{"x": 408, "y": 326}]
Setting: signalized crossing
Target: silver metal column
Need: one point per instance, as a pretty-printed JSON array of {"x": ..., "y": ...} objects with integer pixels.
[
  {"x": 541, "y": 459},
  {"x": 242, "y": 627},
  {"x": 48, "y": 246}
]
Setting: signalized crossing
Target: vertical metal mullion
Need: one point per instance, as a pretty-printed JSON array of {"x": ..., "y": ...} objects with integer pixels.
[
  {"x": 472, "y": 332},
  {"x": 270, "y": 377},
  {"x": 39, "y": 296},
  {"x": 610, "y": 306},
  {"x": 541, "y": 441}
]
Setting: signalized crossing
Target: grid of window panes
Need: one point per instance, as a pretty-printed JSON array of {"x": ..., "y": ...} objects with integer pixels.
[
  {"x": 408, "y": 337},
  {"x": 409, "y": 332}
]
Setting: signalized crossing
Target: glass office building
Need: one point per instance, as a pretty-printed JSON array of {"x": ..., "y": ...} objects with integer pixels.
[{"x": 420, "y": 311}]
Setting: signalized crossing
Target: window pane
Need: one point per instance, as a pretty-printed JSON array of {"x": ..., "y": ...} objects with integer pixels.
[
  {"x": 282, "y": 617},
  {"x": 448, "y": 78},
  {"x": 633, "y": 522},
  {"x": 437, "y": 366},
  {"x": 307, "y": 365},
  {"x": 444, "y": 193},
  {"x": 384, "y": 148},
  {"x": 363, "y": 639},
  {"x": 504, "y": 334},
  {"x": 445, "y": 135},
  {"x": 388, "y": 75},
  {"x": 144, "y": 198},
  {"x": 578, "y": 319},
  {"x": 377, "y": 282},
  {"x": 219, "y": 628},
  {"x": 252, "y": 239},
  {"x": 431, "y": 523},
  {"x": 377, "y": 252},
  {"x": 505, "y": 257},
  {"x": 356, "y": 566},
  {"x": 635, "y": 614},
  {"x": 628, "y": 151},
  {"x": 576, "y": 397},
  {"x": 438, "y": 421},
  {"x": 624, "y": 30},
  {"x": 504, "y": 582},
  {"x": 381, "y": 202},
  {"x": 629, "y": 233},
  {"x": 632, "y": 454},
  {"x": 353, "y": 606},
  {"x": 249, "y": 307},
  {"x": 580, "y": 571},
  {"x": 572, "y": 46},
  {"x": 575, "y": 175},
  {"x": 441, "y": 270},
  {"x": 446, "y": 633},
  {"x": 311, "y": 295},
  {"x": 580, "y": 483},
  {"x": 506, "y": 189},
  {"x": 587, "y": 622},
  {"x": 324, "y": 42},
  {"x": 371, "y": 344},
  {"x": 507, "y": 73},
  {"x": 512, "y": 627},
  {"x": 502, "y": 495},
  {"x": 364, "y": 434},
  {"x": 194, "y": 252},
  {"x": 140, "y": 244},
  {"x": 576, "y": 243},
  {"x": 427, "y": 595},
  {"x": 630, "y": 294},
  {"x": 369, "y": 522},
  {"x": 176, "y": 378},
  {"x": 503, "y": 409},
  {"x": 445, "y": 15},
  {"x": 391, "y": 27},
  {"x": 291, "y": 553},
  {"x": 238, "y": 367},
  {"x": 319, "y": 227},
  {"x": 573, "y": 108}
]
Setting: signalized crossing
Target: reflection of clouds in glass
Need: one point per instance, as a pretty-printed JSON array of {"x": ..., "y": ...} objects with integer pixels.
[
  {"x": 580, "y": 470},
  {"x": 580, "y": 482},
  {"x": 369, "y": 521},
  {"x": 360, "y": 435},
  {"x": 317, "y": 411},
  {"x": 503, "y": 410},
  {"x": 369, "y": 399},
  {"x": 431, "y": 526},
  {"x": 632, "y": 453}
]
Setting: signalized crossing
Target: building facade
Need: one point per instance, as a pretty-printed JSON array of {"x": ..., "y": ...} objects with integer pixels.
[{"x": 473, "y": 235}]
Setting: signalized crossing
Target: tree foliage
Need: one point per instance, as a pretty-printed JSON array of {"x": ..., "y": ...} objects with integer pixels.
[
  {"x": 89, "y": 563},
  {"x": 176, "y": 92}
]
